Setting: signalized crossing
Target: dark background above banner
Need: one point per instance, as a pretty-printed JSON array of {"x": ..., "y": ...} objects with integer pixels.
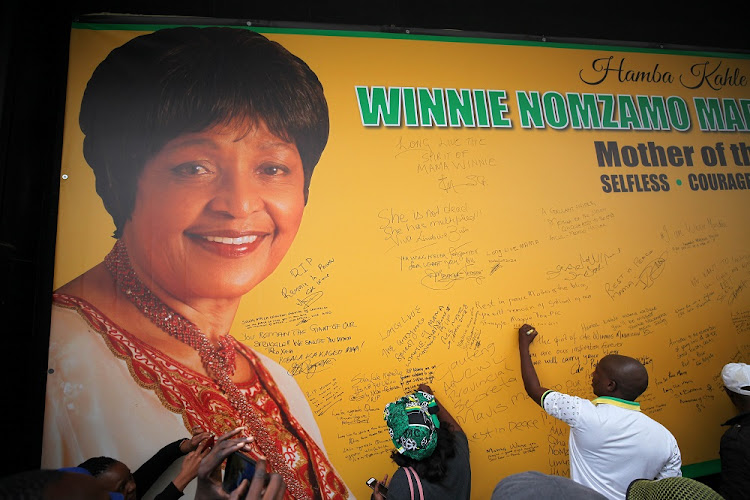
[
  {"x": 33, "y": 63},
  {"x": 718, "y": 24}
]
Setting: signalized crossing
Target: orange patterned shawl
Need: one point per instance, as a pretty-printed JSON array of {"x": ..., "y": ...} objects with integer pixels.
[{"x": 201, "y": 402}]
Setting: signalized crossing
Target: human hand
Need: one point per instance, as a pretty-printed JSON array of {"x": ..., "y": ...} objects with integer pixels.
[
  {"x": 209, "y": 482},
  {"x": 274, "y": 490},
  {"x": 209, "y": 470},
  {"x": 190, "y": 464},
  {"x": 377, "y": 493},
  {"x": 198, "y": 435},
  {"x": 526, "y": 335}
]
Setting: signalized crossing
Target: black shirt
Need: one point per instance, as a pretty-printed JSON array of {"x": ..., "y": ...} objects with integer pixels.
[
  {"x": 456, "y": 485},
  {"x": 734, "y": 451},
  {"x": 148, "y": 473}
]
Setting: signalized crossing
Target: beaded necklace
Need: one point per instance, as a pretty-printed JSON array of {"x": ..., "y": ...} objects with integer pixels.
[{"x": 219, "y": 361}]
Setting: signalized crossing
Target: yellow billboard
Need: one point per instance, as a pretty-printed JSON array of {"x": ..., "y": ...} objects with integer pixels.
[{"x": 332, "y": 220}]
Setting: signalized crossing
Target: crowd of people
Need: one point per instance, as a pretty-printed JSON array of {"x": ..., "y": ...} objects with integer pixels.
[
  {"x": 615, "y": 450},
  {"x": 107, "y": 478}
]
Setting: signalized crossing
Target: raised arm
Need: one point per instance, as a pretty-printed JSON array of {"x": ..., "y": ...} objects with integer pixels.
[
  {"x": 534, "y": 389},
  {"x": 149, "y": 472},
  {"x": 442, "y": 414}
]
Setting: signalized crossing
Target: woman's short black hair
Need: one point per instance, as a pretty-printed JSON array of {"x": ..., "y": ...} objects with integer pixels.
[
  {"x": 180, "y": 80},
  {"x": 98, "y": 465},
  {"x": 434, "y": 467}
]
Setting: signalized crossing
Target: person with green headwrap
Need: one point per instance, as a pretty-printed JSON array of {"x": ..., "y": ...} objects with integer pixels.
[{"x": 432, "y": 450}]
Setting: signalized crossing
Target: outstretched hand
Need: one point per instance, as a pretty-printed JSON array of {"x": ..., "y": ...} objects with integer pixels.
[
  {"x": 198, "y": 436},
  {"x": 190, "y": 465},
  {"x": 209, "y": 482},
  {"x": 379, "y": 486}
]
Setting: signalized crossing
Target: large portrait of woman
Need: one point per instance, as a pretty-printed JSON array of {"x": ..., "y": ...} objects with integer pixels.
[{"x": 203, "y": 143}]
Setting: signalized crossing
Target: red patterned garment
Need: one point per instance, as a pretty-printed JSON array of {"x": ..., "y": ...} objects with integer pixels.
[{"x": 202, "y": 403}]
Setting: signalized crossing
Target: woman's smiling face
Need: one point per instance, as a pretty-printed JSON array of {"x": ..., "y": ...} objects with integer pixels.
[{"x": 216, "y": 211}]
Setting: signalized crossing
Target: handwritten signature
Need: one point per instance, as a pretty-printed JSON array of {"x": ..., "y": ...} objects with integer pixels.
[
  {"x": 444, "y": 280},
  {"x": 309, "y": 299},
  {"x": 652, "y": 271},
  {"x": 308, "y": 369},
  {"x": 446, "y": 184},
  {"x": 586, "y": 267}
]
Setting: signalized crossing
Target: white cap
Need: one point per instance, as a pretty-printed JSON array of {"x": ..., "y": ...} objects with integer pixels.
[{"x": 737, "y": 377}]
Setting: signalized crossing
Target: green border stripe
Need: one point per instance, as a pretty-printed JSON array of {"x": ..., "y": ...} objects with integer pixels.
[
  {"x": 434, "y": 38},
  {"x": 702, "y": 469}
]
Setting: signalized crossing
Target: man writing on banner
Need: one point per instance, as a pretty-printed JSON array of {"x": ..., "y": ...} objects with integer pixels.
[{"x": 611, "y": 442}]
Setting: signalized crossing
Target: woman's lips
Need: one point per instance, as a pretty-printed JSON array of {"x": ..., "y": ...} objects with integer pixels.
[{"x": 228, "y": 246}]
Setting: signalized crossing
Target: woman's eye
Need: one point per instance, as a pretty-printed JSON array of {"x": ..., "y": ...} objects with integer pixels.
[
  {"x": 191, "y": 169},
  {"x": 273, "y": 170}
]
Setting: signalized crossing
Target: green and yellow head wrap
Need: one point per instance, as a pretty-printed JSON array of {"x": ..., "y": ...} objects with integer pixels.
[{"x": 413, "y": 424}]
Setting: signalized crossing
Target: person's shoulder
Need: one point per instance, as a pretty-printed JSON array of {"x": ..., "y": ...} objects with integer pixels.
[
  {"x": 656, "y": 425},
  {"x": 561, "y": 397},
  {"x": 573, "y": 410},
  {"x": 742, "y": 419},
  {"x": 95, "y": 287},
  {"x": 461, "y": 436},
  {"x": 551, "y": 393},
  {"x": 69, "y": 330},
  {"x": 462, "y": 455},
  {"x": 398, "y": 484},
  {"x": 399, "y": 475},
  {"x": 78, "y": 308},
  {"x": 532, "y": 484},
  {"x": 460, "y": 443},
  {"x": 461, "y": 440}
]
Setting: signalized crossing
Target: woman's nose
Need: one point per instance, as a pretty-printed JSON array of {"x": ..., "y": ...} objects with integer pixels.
[{"x": 237, "y": 196}]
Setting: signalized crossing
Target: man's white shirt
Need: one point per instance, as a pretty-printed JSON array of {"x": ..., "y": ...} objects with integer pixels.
[{"x": 612, "y": 443}]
